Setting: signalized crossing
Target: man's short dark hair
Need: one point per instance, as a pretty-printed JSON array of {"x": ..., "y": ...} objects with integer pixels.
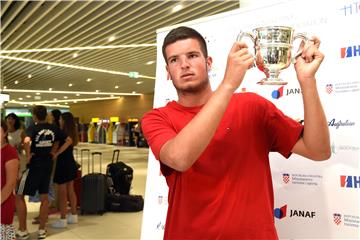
[
  {"x": 182, "y": 33},
  {"x": 40, "y": 112}
]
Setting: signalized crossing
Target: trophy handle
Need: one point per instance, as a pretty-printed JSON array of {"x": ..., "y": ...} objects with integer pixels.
[
  {"x": 251, "y": 36},
  {"x": 305, "y": 39}
]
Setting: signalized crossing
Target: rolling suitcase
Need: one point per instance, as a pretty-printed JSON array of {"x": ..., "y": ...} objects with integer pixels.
[
  {"x": 94, "y": 190},
  {"x": 78, "y": 179},
  {"x": 117, "y": 202},
  {"x": 120, "y": 173}
]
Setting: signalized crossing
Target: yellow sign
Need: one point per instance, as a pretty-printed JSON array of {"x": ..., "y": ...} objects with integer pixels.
[{"x": 95, "y": 120}]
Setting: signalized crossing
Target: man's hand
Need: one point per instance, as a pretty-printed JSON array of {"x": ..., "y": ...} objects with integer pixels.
[
  {"x": 309, "y": 61},
  {"x": 238, "y": 62}
]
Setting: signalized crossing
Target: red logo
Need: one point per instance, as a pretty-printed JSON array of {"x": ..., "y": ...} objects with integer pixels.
[
  {"x": 329, "y": 88},
  {"x": 337, "y": 218},
  {"x": 286, "y": 178}
]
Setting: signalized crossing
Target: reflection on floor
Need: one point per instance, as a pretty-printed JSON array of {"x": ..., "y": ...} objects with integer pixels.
[{"x": 108, "y": 225}]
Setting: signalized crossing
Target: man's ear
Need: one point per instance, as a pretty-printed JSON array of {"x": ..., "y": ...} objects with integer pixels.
[{"x": 209, "y": 62}]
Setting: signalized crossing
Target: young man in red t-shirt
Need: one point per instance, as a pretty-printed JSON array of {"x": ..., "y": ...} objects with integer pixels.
[{"x": 213, "y": 146}]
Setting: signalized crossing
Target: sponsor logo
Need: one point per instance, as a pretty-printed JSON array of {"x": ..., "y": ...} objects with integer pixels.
[
  {"x": 351, "y": 51},
  {"x": 350, "y": 181},
  {"x": 280, "y": 212},
  {"x": 350, "y": 8},
  {"x": 336, "y": 148},
  {"x": 347, "y": 220},
  {"x": 340, "y": 123},
  {"x": 301, "y": 179},
  {"x": 286, "y": 178},
  {"x": 276, "y": 94},
  {"x": 343, "y": 87},
  {"x": 162, "y": 200},
  {"x": 160, "y": 226},
  {"x": 329, "y": 88},
  {"x": 337, "y": 218}
]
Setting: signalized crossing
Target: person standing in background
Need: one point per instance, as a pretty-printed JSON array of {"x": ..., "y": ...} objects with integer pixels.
[
  {"x": 55, "y": 117},
  {"x": 9, "y": 172},
  {"x": 65, "y": 171},
  {"x": 44, "y": 139},
  {"x": 16, "y": 137}
]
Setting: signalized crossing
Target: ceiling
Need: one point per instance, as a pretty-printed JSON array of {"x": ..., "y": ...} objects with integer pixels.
[{"x": 51, "y": 32}]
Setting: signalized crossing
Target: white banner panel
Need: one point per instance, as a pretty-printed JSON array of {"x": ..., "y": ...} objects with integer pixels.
[{"x": 312, "y": 199}]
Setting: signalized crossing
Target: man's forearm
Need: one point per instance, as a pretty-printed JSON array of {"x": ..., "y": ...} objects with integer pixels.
[
  {"x": 183, "y": 150},
  {"x": 316, "y": 132}
]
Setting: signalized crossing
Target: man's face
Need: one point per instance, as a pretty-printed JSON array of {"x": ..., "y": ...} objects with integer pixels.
[{"x": 187, "y": 65}]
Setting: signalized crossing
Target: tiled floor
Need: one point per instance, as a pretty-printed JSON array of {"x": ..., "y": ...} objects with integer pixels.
[{"x": 108, "y": 225}]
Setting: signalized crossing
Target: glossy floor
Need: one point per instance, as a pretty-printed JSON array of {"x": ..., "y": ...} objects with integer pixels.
[{"x": 108, "y": 225}]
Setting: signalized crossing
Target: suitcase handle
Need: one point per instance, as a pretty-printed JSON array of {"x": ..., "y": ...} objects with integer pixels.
[
  {"x": 117, "y": 151},
  {"x": 81, "y": 155},
  {"x": 100, "y": 156}
]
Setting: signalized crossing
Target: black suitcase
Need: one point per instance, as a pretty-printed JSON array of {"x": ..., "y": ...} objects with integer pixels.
[
  {"x": 117, "y": 202},
  {"x": 120, "y": 173},
  {"x": 94, "y": 191}
]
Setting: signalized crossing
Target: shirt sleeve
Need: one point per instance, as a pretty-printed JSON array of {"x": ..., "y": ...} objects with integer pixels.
[
  {"x": 157, "y": 130},
  {"x": 283, "y": 132}
]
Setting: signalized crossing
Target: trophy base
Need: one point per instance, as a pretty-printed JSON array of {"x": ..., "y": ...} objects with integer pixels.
[{"x": 271, "y": 81}]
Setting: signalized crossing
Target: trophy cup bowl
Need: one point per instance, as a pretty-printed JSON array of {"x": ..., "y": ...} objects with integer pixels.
[{"x": 273, "y": 50}]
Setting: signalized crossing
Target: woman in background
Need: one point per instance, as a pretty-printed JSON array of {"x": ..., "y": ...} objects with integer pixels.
[
  {"x": 15, "y": 137},
  {"x": 65, "y": 171},
  {"x": 9, "y": 172}
]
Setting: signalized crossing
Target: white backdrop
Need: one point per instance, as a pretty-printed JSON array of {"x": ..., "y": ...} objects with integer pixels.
[{"x": 312, "y": 199}]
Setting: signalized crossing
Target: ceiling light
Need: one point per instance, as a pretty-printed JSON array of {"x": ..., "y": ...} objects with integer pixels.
[
  {"x": 50, "y": 89},
  {"x": 75, "y": 55},
  {"x": 29, "y": 76},
  {"x": 72, "y": 66},
  {"x": 116, "y": 86},
  {"x": 139, "y": 82},
  {"x": 28, "y": 96},
  {"x": 65, "y": 97},
  {"x": 77, "y": 94},
  {"x": 150, "y": 62},
  {"x": 177, "y": 8},
  {"x": 70, "y": 84},
  {"x": 48, "y": 67},
  {"x": 16, "y": 82},
  {"x": 88, "y": 80},
  {"x": 112, "y": 38},
  {"x": 133, "y": 92},
  {"x": 37, "y": 93},
  {"x": 96, "y": 90},
  {"x": 70, "y": 92},
  {"x": 55, "y": 99},
  {"x": 66, "y": 103},
  {"x": 20, "y": 98},
  {"x": 5, "y": 87}
]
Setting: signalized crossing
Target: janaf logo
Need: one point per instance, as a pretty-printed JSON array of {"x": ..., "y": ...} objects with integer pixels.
[
  {"x": 281, "y": 213},
  {"x": 276, "y": 94},
  {"x": 302, "y": 213}
]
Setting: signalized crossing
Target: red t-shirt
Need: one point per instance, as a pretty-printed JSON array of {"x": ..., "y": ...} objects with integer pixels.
[
  {"x": 8, "y": 207},
  {"x": 227, "y": 193}
]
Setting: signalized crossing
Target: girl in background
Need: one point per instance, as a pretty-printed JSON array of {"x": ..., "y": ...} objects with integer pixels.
[
  {"x": 15, "y": 137},
  {"x": 65, "y": 170},
  {"x": 9, "y": 172}
]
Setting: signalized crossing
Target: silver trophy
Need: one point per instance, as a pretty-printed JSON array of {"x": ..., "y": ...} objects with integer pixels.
[{"x": 273, "y": 50}]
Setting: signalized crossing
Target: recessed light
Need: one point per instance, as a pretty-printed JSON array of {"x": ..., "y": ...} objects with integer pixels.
[
  {"x": 65, "y": 97},
  {"x": 96, "y": 90},
  {"x": 48, "y": 67},
  {"x": 139, "y": 82},
  {"x": 75, "y": 55},
  {"x": 16, "y": 82},
  {"x": 88, "y": 80},
  {"x": 112, "y": 38},
  {"x": 66, "y": 103},
  {"x": 77, "y": 94},
  {"x": 133, "y": 92},
  {"x": 70, "y": 84},
  {"x": 29, "y": 76},
  {"x": 28, "y": 96},
  {"x": 50, "y": 89},
  {"x": 37, "y": 93},
  {"x": 116, "y": 86},
  {"x": 150, "y": 62},
  {"x": 20, "y": 98},
  {"x": 177, "y": 8},
  {"x": 55, "y": 99},
  {"x": 5, "y": 87}
]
